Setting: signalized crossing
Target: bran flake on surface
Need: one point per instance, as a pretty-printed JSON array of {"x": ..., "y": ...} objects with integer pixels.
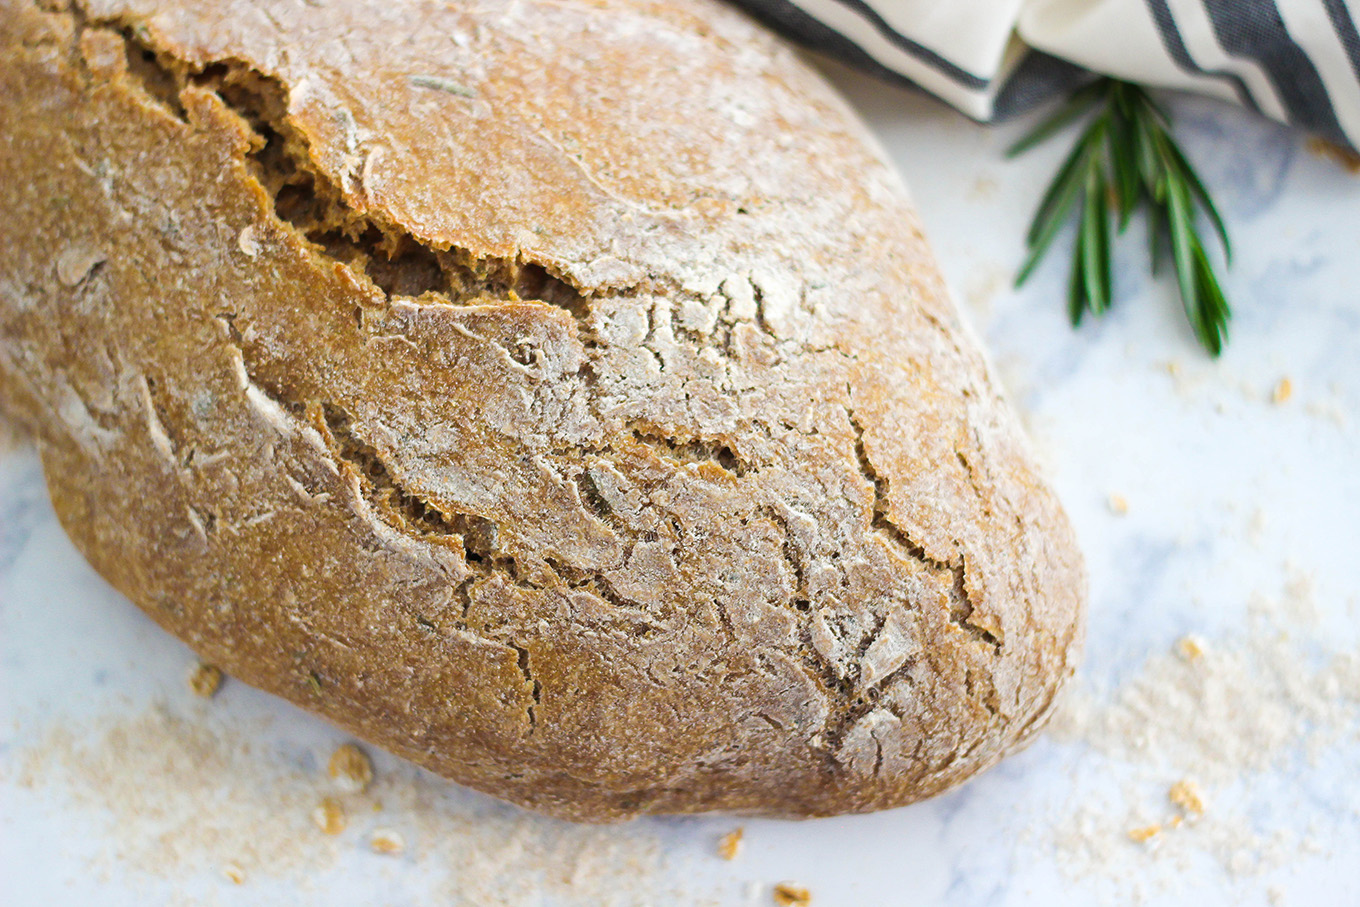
[
  {"x": 1225, "y": 712},
  {"x": 178, "y": 799}
]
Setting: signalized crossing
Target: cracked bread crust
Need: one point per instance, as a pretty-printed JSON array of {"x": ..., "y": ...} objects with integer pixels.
[{"x": 560, "y": 395}]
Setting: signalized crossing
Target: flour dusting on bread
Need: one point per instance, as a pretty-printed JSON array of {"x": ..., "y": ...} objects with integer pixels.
[{"x": 598, "y": 434}]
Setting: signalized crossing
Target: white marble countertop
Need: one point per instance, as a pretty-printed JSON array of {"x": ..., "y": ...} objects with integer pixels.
[{"x": 1242, "y": 532}]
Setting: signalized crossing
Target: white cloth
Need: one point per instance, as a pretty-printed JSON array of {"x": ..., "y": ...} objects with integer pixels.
[{"x": 1297, "y": 61}]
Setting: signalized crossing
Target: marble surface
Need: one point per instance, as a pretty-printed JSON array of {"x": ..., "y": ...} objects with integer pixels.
[{"x": 1233, "y": 499}]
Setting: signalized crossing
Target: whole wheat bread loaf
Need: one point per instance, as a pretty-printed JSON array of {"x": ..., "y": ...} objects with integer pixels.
[{"x": 558, "y": 394}]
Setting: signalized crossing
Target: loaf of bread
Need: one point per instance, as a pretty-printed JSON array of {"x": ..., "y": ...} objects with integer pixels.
[{"x": 560, "y": 395}]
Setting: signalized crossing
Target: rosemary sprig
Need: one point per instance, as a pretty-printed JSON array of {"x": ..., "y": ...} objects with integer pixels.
[{"x": 1125, "y": 157}]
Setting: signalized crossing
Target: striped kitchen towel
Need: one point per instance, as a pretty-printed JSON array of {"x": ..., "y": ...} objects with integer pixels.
[{"x": 1297, "y": 61}]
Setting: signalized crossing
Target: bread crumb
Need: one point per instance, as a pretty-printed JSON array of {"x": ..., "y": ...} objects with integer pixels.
[
  {"x": 76, "y": 262},
  {"x": 787, "y": 895},
  {"x": 1118, "y": 504},
  {"x": 1337, "y": 154},
  {"x": 730, "y": 844},
  {"x": 329, "y": 816},
  {"x": 983, "y": 188},
  {"x": 1185, "y": 795},
  {"x": 234, "y": 873},
  {"x": 351, "y": 769},
  {"x": 1256, "y": 528},
  {"x": 1283, "y": 391},
  {"x": 247, "y": 242},
  {"x": 205, "y": 680},
  {"x": 1189, "y": 648},
  {"x": 1328, "y": 411},
  {"x": 387, "y": 841},
  {"x": 1144, "y": 833}
]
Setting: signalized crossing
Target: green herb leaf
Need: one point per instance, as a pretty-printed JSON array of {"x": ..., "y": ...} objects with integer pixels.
[
  {"x": 1053, "y": 213},
  {"x": 1187, "y": 172},
  {"x": 1070, "y": 175},
  {"x": 1214, "y": 321},
  {"x": 1099, "y": 279},
  {"x": 1076, "y": 285},
  {"x": 1156, "y": 237},
  {"x": 1124, "y": 162},
  {"x": 1072, "y": 109},
  {"x": 1124, "y": 159},
  {"x": 1182, "y": 250}
]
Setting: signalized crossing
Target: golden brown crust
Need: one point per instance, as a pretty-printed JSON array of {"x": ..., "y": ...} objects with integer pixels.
[{"x": 561, "y": 395}]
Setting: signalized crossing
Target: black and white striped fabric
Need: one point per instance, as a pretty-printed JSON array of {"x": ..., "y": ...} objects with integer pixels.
[{"x": 1297, "y": 61}]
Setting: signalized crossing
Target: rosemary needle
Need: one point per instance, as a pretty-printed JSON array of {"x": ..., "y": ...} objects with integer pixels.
[{"x": 1125, "y": 158}]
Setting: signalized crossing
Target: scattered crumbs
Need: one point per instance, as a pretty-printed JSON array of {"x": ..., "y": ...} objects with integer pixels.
[
  {"x": 329, "y": 816},
  {"x": 1189, "y": 648},
  {"x": 351, "y": 769},
  {"x": 234, "y": 873},
  {"x": 1185, "y": 795},
  {"x": 1327, "y": 411},
  {"x": 165, "y": 821},
  {"x": 786, "y": 895},
  {"x": 248, "y": 242},
  {"x": 386, "y": 841},
  {"x": 1118, "y": 505},
  {"x": 1284, "y": 389},
  {"x": 439, "y": 83},
  {"x": 1144, "y": 833},
  {"x": 205, "y": 680},
  {"x": 1337, "y": 154},
  {"x": 1235, "y": 713},
  {"x": 729, "y": 846}
]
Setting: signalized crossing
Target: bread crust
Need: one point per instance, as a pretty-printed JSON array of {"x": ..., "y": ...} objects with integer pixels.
[{"x": 560, "y": 395}]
